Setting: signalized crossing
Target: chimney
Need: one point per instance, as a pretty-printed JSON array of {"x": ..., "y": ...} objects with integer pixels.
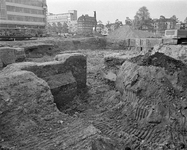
[{"x": 95, "y": 20}]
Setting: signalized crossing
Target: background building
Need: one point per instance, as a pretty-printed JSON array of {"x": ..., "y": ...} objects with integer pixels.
[
  {"x": 23, "y": 14},
  {"x": 62, "y": 23},
  {"x": 162, "y": 24},
  {"x": 62, "y": 18},
  {"x": 86, "y": 24}
]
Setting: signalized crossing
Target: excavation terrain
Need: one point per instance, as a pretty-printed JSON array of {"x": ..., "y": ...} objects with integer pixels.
[{"x": 93, "y": 94}]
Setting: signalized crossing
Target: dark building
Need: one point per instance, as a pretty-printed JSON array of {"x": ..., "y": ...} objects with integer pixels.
[
  {"x": 162, "y": 24},
  {"x": 86, "y": 24}
]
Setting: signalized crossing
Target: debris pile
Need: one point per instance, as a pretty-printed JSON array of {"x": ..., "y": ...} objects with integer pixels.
[
  {"x": 178, "y": 52},
  {"x": 153, "y": 103},
  {"x": 127, "y": 32}
]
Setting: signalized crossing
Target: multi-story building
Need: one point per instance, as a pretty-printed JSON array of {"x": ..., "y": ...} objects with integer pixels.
[
  {"x": 86, "y": 24},
  {"x": 62, "y": 18},
  {"x": 56, "y": 21},
  {"x": 162, "y": 24},
  {"x": 23, "y": 14}
]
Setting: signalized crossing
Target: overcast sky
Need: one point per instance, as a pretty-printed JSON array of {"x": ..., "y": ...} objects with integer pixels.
[{"x": 110, "y": 10}]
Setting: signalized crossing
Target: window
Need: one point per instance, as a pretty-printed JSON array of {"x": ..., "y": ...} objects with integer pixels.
[
  {"x": 2, "y": 14},
  {"x": 27, "y": 2},
  {"x": 25, "y": 18},
  {"x": 24, "y": 10}
]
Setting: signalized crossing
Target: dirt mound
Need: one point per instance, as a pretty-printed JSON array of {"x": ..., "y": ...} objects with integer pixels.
[
  {"x": 175, "y": 70},
  {"x": 150, "y": 105},
  {"x": 127, "y": 32},
  {"x": 176, "y": 51}
]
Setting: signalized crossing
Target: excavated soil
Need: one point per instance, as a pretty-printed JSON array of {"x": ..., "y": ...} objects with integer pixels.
[
  {"x": 80, "y": 126},
  {"x": 173, "y": 67},
  {"x": 96, "y": 119}
]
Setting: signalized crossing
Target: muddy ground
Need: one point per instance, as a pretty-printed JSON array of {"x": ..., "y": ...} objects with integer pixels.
[
  {"x": 95, "y": 119},
  {"x": 83, "y": 122}
]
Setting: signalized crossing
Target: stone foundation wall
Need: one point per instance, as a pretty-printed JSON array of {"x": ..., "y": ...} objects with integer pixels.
[
  {"x": 9, "y": 55},
  {"x": 65, "y": 77},
  {"x": 25, "y": 103}
]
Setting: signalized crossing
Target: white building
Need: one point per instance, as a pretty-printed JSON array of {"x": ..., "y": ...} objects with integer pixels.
[
  {"x": 23, "y": 13},
  {"x": 62, "y": 18}
]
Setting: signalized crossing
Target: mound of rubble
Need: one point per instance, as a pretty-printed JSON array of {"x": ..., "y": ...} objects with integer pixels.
[
  {"x": 153, "y": 108},
  {"x": 127, "y": 32},
  {"x": 178, "y": 52}
]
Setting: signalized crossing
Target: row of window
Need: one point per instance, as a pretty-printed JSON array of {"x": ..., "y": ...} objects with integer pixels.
[
  {"x": 27, "y": 2},
  {"x": 21, "y": 26},
  {"x": 24, "y": 10},
  {"x": 2, "y": 4},
  {"x": 2, "y": 14},
  {"x": 25, "y": 18}
]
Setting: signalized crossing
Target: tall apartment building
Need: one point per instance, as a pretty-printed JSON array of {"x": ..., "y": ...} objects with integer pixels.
[
  {"x": 86, "y": 24},
  {"x": 62, "y": 18},
  {"x": 162, "y": 24},
  {"x": 23, "y": 14}
]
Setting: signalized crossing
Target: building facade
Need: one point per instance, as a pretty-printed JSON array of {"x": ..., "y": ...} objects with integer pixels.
[
  {"x": 23, "y": 14},
  {"x": 162, "y": 24},
  {"x": 86, "y": 24},
  {"x": 56, "y": 22},
  {"x": 62, "y": 18}
]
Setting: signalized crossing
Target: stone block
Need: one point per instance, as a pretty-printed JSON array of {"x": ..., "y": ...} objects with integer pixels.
[
  {"x": 169, "y": 41},
  {"x": 20, "y": 54},
  {"x": 77, "y": 63},
  {"x": 154, "y": 41},
  {"x": 123, "y": 44},
  {"x": 25, "y": 102},
  {"x": 38, "y": 50},
  {"x": 64, "y": 77},
  {"x": 7, "y": 55},
  {"x": 132, "y": 43},
  {"x": 58, "y": 76},
  {"x": 63, "y": 87},
  {"x": 145, "y": 43},
  {"x": 138, "y": 42}
]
